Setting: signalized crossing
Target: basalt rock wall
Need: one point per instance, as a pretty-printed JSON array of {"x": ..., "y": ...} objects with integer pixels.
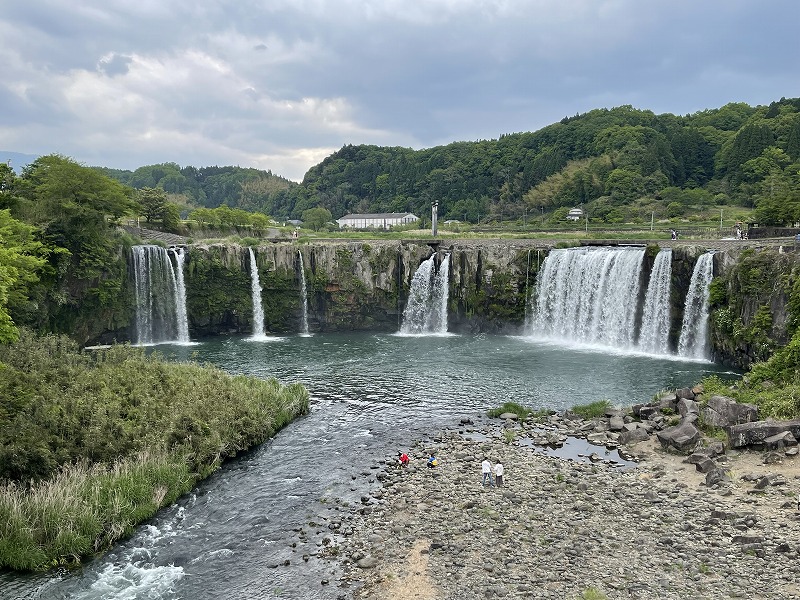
[
  {"x": 755, "y": 303},
  {"x": 356, "y": 285}
]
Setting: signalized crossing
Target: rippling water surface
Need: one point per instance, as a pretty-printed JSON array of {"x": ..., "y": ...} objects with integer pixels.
[{"x": 371, "y": 395}]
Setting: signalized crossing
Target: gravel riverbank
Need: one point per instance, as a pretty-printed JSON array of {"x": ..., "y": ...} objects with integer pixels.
[{"x": 561, "y": 529}]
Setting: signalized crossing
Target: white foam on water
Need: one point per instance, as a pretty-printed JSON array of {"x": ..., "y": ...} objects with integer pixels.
[
  {"x": 133, "y": 582},
  {"x": 265, "y": 338}
]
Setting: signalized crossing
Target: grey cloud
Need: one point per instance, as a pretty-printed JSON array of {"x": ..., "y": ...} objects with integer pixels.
[
  {"x": 115, "y": 64},
  {"x": 397, "y": 73}
]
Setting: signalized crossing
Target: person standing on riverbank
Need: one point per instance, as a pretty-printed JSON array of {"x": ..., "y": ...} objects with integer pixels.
[
  {"x": 498, "y": 473},
  {"x": 486, "y": 471}
]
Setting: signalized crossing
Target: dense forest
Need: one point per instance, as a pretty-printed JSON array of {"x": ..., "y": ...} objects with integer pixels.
[{"x": 620, "y": 164}]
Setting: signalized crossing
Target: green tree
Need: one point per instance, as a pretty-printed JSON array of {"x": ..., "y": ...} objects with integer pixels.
[
  {"x": 793, "y": 140},
  {"x": 778, "y": 198},
  {"x": 153, "y": 202},
  {"x": 62, "y": 187},
  {"x": 624, "y": 186},
  {"x": 675, "y": 209},
  {"x": 7, "y": 178},
  {"x": 20, "y": 259},
  {"x": 316, "y": 218},
  {"x": 204, "y": 216},
  {"x": 76, "y": 208},
  {"x": 171, "y": 217}
]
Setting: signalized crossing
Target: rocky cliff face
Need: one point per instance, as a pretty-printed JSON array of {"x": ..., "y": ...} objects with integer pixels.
[
  {"x": 755, "y": 301},
  {"x": 356, "y": 285}
]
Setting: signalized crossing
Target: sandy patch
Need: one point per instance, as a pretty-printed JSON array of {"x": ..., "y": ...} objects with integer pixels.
[{"x": 410, "y": 580}]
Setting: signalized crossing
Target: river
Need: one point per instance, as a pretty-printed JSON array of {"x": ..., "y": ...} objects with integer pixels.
[{"x": 237, "y": 535}]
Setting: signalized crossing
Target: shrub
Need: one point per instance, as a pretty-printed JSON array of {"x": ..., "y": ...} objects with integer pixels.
[
  {"x": 592, "y": 410},
  {"x": 97, "y": 443},
  {"x": 510, "y": 407}
]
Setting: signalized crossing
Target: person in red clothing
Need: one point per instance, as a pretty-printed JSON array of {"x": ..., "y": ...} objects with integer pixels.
[{"x": 403, "y": 459}]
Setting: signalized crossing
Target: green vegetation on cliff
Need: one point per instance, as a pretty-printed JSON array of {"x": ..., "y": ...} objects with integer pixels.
[
  {"x": 755, "y": 304},
  {"x": 755, "y": 323},
  {"x": 93, "y": 443}
]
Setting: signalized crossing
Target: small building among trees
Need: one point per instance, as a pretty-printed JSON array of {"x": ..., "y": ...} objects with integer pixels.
[
  {"x": 376, "y": 220},
  {"x": 575, "y": 214}
]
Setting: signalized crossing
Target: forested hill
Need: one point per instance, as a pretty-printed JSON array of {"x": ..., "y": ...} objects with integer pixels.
[
  {"x": 621, "y": 164},
  {"x": 249, "y": 189}
]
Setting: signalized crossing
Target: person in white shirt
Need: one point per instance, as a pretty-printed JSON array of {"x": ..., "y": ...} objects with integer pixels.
[
  {"x": 486, "y": 470},
  {"x": 498, "y": 473}
]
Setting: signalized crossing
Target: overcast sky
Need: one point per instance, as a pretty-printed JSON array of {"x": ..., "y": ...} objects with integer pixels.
[{"x": 280, "y": 84}]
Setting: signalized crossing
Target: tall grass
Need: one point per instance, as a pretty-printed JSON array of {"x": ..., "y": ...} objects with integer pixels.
[{"x": 85, "y": 508}]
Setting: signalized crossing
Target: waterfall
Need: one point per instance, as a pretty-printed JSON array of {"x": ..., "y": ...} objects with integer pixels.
[
  {"x": 255, "y": 292},
  {"x": 426, "y": 311},
  {"x": 181, "y": 317},
  {"x": 693, "y": 341},
  {"x": 160, "y": 295},
  {"x": 654, "y": 332},
  {"x": 303, "y": 297},
  {"x": 588, "y": 295}
]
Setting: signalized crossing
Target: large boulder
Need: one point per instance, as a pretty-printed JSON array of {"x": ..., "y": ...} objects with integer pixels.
[
  {"x": 688, "y": 407},
  {"x": 717, "y": 476},
  {"x": 757, "y": 433},
  {"x": 634, "y": 435},
  {"x": 721, "y": 411},
  {"x": 683, "y": 437}
]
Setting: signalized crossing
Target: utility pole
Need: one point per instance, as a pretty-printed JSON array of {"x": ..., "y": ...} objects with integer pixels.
[
  {"x": 434, "y": 217},
  {"x": 652, "y": 220},
  {"x": 720, "y": 219}
]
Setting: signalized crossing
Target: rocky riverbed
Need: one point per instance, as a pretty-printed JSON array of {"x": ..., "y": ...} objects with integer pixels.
[{"x": 564, "y": 529}]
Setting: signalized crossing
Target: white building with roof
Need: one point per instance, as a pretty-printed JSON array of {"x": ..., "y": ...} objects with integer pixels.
[
  {"x": 376, "y": 220},
  {"x": 575, "y": 214}
]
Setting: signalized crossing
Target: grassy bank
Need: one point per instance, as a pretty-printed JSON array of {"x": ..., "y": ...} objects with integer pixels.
[{"x": 93, "y": 443}]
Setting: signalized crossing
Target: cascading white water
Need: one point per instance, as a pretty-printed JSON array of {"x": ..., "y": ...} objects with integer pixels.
[
  {"x": 181, "y": 316},
  {"x": 255, "y": 293},
  {"x": 426, "y": 310},
  {"x": 588, "y": 295},
  {"x": 303, "y": 296},
  {"x": 693, "y": 341},
  {"x": 160, "y": 296},
  {"x": 654, "y": 332}
]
